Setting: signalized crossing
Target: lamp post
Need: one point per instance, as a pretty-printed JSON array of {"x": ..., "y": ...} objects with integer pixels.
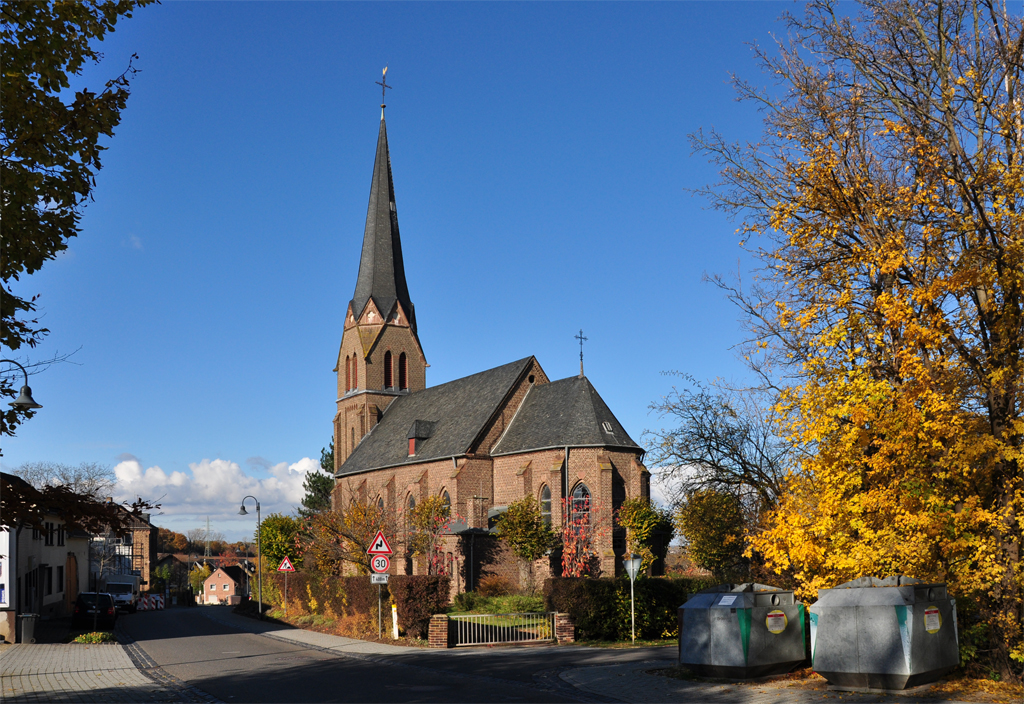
[
  {"x": 24, "y": 402},
  {"x": 632, "y": 564},
  {"x": 259, "y": 548}
]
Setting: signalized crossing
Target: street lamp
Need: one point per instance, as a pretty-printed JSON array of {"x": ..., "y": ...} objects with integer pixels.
[
  {"x": 259, "y": 547},
  {"x": 632, "y": 564},
  {"x": 24, "y": 402}
]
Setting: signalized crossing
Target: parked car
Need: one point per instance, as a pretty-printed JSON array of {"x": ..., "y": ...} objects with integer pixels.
[{"x": 94, "y": 607}]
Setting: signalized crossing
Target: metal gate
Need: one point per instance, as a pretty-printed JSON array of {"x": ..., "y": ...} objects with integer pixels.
[{"x": 489, "y": 629}]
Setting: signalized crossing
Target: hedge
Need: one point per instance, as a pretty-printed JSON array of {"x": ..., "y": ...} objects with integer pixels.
[
  {"x": 600, "y": 607},
  {"x": 418, "y": 597}
]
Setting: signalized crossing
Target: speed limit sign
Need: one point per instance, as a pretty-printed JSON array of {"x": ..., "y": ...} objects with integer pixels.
[{"x": 380, "y": 563}]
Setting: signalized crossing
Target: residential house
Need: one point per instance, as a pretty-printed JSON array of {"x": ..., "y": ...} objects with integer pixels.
[
  {"x": 225, "y": 586},
  {"x": 42, "y": 570}
]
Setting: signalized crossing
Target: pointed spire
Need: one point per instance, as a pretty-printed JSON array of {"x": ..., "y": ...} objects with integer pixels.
[{"x": 381, "y": 270}]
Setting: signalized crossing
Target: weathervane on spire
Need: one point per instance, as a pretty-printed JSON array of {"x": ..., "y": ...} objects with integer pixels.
[
  {"x": 582, "y": 340},
  {"x": 383, "y": 83}
]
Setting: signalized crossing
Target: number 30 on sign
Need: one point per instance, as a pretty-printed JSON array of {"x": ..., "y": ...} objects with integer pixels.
[{"x": 380, "y": 563}]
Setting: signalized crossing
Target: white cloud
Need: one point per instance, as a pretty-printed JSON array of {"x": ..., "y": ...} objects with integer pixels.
[
  {"x": 213, "y": 488},
  {"x": 133, "y": 242}
]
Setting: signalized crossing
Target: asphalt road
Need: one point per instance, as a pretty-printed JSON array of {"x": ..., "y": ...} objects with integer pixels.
[{"x": 237, "y": 666}]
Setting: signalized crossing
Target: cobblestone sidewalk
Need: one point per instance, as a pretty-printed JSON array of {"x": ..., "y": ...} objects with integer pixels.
[
  {"x": 631, "y": 683},
  {"x": 76, "y": 673}
]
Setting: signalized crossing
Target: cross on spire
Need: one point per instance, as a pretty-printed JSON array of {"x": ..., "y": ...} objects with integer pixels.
[
  {"x": 582, "y": 340},
  {"x": 383, "y": 83}
]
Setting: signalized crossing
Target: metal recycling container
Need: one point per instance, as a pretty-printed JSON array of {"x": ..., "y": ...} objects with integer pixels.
[
  {"x": 741, "y": 631},
  {"x": 890, "y": 633}
]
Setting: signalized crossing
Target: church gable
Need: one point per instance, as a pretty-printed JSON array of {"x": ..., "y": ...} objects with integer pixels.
[{"x": 567, "y": 412}]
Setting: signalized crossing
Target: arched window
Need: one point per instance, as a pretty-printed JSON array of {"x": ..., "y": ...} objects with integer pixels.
[
  {"x": 388, "y": 380},
  {"x": 446, "y": 498},
  {"x": 545, "y": 505},
  {"x": 403, "y": 372},
  {"x": 355, "y": 372},
  {"x": 380, "y": 502},
  {"x": 348, "y": 373},
  {"x": 580, "y": 503},
  {"x": 352, "y": 447}
]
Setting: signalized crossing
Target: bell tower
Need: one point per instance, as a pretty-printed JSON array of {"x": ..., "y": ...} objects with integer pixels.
[{"x": 380, "y": 356}]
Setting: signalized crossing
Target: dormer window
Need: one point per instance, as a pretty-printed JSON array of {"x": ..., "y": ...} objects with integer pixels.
[
  {"x": 419, "y": 433},
  {"x": 607, "y": 427}
]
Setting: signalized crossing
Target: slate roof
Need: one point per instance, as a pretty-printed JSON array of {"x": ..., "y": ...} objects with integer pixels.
[
  {"x": 564, "y": 412},
  {"x": 459, "y": 411},
  {"x": 381, "y": 270}
]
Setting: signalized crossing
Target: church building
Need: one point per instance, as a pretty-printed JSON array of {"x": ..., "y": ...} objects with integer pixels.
[{"x": 480, "y": 442}]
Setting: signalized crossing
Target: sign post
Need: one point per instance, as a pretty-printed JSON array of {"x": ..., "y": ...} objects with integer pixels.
[
  {"x": 378, "y": 551},
  {"x": 286, "y": 567},
  {"x": 632, "y": 564}
]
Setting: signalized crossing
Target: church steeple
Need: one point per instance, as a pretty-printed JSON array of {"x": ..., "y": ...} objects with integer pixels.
[
  {"x": 381, "y": 270},
  {"x": 380, "y": 357}
]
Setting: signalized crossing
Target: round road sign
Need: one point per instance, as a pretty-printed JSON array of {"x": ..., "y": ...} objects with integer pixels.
[{"x": 380, "y": 563}]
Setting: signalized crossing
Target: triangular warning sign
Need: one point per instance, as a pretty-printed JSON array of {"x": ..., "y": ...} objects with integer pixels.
[
  {"x": 380, "y": 545},
  {"x": 286, "y": 566}
]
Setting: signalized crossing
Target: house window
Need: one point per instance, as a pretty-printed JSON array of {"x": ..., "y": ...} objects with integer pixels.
[
  {"x": 213, "y": 587},
  {"x": 580, "y": 503},
  {"x": 50, "y": 534},
  {"x": 226, "y": 588},
  {"x": 352, "y": 447},
  {"x": 3, "y": 593},
  {"x": 545, "y": 505},
  {"x": 60, "y": 579},
  {"x": 348, "y": 373},
  {"x": 408, "y": 517},
  {"x": 446, "y": 498},
  {"x": 35, "y": 533},
  {"x": 61, "y": 534},
  {"x": 403, "y": 372},
  {"x": 355, "y": 373},
  {"x": 389, "y": 381},
  {"x": 49, "y": 580},
  {"x": 380, "y": 503}
]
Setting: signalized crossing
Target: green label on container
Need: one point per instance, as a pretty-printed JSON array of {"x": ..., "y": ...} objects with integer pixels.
[{"x": 744, "y": 616}]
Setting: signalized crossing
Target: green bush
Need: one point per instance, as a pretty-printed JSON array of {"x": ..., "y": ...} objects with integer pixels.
[
  {"x": 600, "y": 607},
  {"x": 418, "y": 597},
  {"x": 96, "y": 637}
]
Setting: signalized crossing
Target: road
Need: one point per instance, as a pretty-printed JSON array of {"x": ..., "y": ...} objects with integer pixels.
[{"x": 200, "y": 647}]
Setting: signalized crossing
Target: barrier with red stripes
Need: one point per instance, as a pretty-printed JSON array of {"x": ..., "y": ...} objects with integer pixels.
[{"x": 151, "y": 602}]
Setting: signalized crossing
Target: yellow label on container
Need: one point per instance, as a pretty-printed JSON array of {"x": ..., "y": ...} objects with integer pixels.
[
  {"x": 776, "y": 621},
  {"x": 932, "y": 619}
]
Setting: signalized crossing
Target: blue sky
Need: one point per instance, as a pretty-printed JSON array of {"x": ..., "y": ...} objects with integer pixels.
[{"x": 541, "y": 163}]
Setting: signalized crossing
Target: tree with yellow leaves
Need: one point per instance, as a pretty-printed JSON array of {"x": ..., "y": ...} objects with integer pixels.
[{"x": 888, "y": 198}]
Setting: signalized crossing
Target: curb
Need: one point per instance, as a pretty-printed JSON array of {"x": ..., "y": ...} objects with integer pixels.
[{"x": 148, "y": 667}]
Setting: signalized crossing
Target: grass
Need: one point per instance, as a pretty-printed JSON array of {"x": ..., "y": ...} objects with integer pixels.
[
  {"x": 623, "y": 644},
  {"x": 95, "y": 637}
]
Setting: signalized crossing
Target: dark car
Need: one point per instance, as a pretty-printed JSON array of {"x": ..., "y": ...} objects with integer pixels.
[{"x": 94, "y": 608}]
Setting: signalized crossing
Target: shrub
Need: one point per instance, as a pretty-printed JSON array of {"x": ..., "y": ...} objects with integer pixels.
[
  {"x": 361, "y": 596},
  {"x": 418, "y": 597},
  {"x": 600, "y": 607},
  {"x": 96, "y": 637},
  {"x": 495, "y": 585}
]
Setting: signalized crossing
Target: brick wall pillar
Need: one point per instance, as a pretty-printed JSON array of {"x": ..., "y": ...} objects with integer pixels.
[
  {"x": 439, "y": 631},
  {"x": 565, "y": 629}
]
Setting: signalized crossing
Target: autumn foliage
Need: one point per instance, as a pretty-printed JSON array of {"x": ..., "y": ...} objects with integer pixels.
[{"x": 888, "y": 193}]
